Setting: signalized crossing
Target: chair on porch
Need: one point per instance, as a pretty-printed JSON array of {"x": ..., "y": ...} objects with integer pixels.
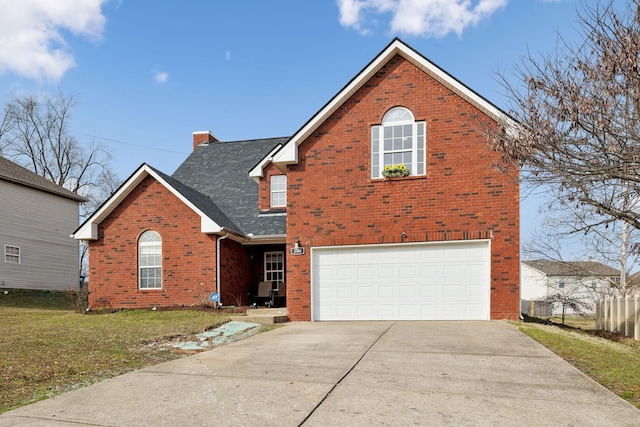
[
  {"x": 280, "y": 295},
  {"x": 264, "y": 294}
]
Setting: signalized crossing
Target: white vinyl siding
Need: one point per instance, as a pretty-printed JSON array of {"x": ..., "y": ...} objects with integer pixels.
[
  {"x": 40, "y": 224},
  {"x": 278, "y": 191},
  {"x": 422, "y": 281}
]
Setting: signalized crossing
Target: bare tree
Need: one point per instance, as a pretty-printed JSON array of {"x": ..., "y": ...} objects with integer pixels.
[
  {"x": 576, "y": 119},
  {"x": 608, "y": 244},
  {"x": 571, "y": 298},
  {"x": 35, "y": 133}
]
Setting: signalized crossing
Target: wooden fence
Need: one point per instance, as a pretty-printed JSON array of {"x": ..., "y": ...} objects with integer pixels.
[{"x": 620, "y": 314}]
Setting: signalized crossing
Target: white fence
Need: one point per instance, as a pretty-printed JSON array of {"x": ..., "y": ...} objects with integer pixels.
[{"x": 620, "y": 314}]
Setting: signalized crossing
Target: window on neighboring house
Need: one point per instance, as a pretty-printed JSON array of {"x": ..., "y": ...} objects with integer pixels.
[
  {"x": 274, "y": 267},
  {"x": 150, "y": 260},
  {"x": 278, "y": 190},
  {"x": 11, "y": 254},
  {"x": 561, "y": 283},
  {"x": 398, "y": 140}
]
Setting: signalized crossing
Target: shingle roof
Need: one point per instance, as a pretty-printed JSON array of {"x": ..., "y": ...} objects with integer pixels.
[
  {"x": 219, "y": 171},
  {"x": 201, "y": 201},
  {"x": 572, "y": 268},
  {"x": 12, "y": 172}
]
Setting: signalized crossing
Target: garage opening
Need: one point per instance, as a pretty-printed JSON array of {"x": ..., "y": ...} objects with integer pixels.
[{"x": 413, "y": 281}]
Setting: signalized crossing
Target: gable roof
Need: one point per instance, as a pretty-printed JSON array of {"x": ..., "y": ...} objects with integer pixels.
[
  {"x": 212, "y": 182},
  {"x": 572, "y": 268},
  {"x": 219, "y": 170},
  {"x": 288, "y": 154},
  {"x": 212, "y": 220},
  {"x": 14, "y": 173}
]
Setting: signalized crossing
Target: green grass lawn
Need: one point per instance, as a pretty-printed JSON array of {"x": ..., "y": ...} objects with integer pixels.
[
  {"x": 46, "y": 348},
  {"x": 613, "y": 363}
]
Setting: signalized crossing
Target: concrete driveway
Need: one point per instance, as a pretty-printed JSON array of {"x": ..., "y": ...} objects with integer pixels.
[{"x": 349, "y": 374}]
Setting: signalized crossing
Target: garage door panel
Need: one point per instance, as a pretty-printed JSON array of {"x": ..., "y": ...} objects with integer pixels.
[
  {"x": 365, "y": 292},
  {"x": 429, "y": 291},
  {"x": 415, "y": 281},
  {"x": 473, "y": 290},
  {"x": 451, "y": 291},
  {"x": 407, "y": 291},
  {"x": 386, "y": 291},
  {"x": 386, "y": 273}
]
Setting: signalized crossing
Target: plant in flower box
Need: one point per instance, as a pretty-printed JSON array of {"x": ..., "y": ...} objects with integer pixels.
[{"x": 395, "y": 171}]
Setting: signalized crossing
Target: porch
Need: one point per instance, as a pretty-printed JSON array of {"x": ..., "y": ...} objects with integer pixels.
[{"x": 266, "y": 316}]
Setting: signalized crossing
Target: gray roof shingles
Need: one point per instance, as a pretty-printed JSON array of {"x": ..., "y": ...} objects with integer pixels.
[
  {"x": 12, "y": 172},
  {"x": 572, "y": 268},
  {"x": 219, "y": 172}
]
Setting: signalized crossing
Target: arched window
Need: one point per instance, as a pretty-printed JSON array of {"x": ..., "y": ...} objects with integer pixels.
[
  {"x": 398, "y": 140},
  {"x": 150, "y": 260}
]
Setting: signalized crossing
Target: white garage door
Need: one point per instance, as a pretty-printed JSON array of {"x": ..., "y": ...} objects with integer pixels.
[{"x": 437, "y": 281}]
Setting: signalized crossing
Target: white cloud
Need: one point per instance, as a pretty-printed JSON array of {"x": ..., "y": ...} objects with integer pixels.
[
  {"x": 31, "y": 39},
  {"x": 432, "y": 18},
  {"x": 160, "y": 77},
  {"x": 227, "y": 55}
]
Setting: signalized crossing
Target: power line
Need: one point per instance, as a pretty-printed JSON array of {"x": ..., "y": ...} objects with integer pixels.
[{"x": 132, "y": 144}]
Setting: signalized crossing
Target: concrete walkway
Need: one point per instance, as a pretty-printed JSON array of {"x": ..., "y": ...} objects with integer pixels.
[{"x": 349, "y": 374}]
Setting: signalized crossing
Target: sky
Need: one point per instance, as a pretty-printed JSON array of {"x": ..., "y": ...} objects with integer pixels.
[{"x": 146, "y": 74}]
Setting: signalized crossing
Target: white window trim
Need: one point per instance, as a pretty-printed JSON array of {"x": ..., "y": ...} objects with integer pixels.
[
  {"x": 267, "y": 271},
  {"x": 11, "y": 258},
  {"x": 282, "y": 193},
  {"x": 418, "y": 145},
  {"x": 140, "y": 268}
]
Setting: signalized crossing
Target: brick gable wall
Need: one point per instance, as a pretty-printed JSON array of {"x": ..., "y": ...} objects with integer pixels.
[
  {"x": 334, "y": 201},
  {"x": 264, "y": 195},
  {"x": 189, "y": 257}
]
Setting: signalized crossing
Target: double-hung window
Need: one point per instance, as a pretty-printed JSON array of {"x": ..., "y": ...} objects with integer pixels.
[
  {"x": 12, "y": 254},
  {"x": 150, "y": 260},
  {"x": 398, "y": 140},
  {"x": 278, "y": 191},
  {"x": 274, "y": 267}
]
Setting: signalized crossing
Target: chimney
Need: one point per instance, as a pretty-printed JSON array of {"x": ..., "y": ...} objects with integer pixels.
[{"x": 204, "y": 137}]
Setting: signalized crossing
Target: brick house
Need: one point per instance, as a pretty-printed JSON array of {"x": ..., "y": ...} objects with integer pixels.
[{"x": 320, "y": 212}]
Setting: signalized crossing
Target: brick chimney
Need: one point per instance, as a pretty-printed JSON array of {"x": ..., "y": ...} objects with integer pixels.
[{"x": 204, "y": 137}]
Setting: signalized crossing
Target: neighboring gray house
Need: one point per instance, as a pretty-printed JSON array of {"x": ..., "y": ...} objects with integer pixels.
[
  {"x": 587, "y": 280},
  {"x": 37, "y": 218}
]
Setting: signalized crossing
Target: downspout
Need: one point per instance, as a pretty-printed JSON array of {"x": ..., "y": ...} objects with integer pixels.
[{"x": 220, "y": 238}]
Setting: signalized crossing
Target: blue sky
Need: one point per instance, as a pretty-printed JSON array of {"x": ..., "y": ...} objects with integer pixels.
[{"x": 148, "y": 73}]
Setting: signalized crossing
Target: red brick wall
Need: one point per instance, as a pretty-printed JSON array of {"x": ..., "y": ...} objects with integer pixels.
[
  {"x": 461, "y": 197},
  {"x": 189, "y": 257},
  {"x": 236, "y": 273}
]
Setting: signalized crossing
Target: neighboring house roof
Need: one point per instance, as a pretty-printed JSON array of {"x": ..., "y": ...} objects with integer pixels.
[
  {"x": 213, "y": 182},
  {"x": 12, "y": 172},
  {"x": 572, "y": 268},
  {"x": 219, "y": 170},
  {"x": 288, "y": 154}
]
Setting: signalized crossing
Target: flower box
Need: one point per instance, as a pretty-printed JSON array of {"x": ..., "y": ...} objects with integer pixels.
[{"x": 395, "y": 171}]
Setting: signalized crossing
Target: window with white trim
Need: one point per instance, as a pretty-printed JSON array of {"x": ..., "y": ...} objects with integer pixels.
[
  {"x": 150, "y": 260},
  {"x": 11, "y": 254},
  {"x": 398, "y": 140},
  {"x": 278, "y": 191},
  {"x": 274, "y": 267}
]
